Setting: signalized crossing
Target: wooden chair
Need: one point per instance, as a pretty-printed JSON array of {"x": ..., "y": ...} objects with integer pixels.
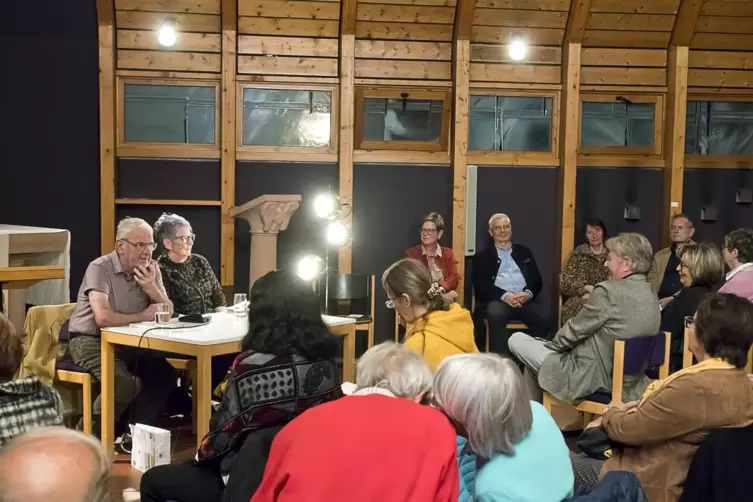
[
  {"x": 640, "y": 351},
  {"x": 355, "y": 289},
  {"x": 69, "y": 372},
  {"x": 687, "y": 356}
]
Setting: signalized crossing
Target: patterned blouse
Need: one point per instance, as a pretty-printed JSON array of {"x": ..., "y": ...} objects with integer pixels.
[
  {"x": 436, "y": 273},
  {"x": 191, "y": 285}
]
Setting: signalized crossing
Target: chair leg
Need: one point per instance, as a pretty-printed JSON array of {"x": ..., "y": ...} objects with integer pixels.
[
  {"x": 587, "y": 419},
  {"x": 371, "y": 334},
  {"x": 486, "y": 327},
  {"x": 397, "y": 328},
  {"x": 87, "y": 404},
  {"x": 191, "y": 371},
  {"x": 547, "y": 402}
]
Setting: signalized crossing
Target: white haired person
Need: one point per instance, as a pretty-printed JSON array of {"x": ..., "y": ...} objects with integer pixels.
[
  {"x": 351, "y": 449},
  {"x": 120, "y": 288},
  {"x": 506, "y": 283},
  {"x": 515, "y": 440},
  {"x": 54, "y": 463},
  {"x": 578, "y": 361},
  {"x": 189, "y": 279},
  {"x": 433, "y": 329}
]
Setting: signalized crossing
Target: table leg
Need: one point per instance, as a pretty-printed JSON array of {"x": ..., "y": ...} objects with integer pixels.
[
  {"x": 107, "y": 419},
  {"x": 203, "y": 394},
  {"x": 349, "y": 355}
]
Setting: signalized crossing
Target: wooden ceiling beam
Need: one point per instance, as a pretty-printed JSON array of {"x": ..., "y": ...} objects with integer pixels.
[
  {"x": 463, "y": 20},
  {"x": 576, "y": 21},
  {"x": 685, "y": 21}
]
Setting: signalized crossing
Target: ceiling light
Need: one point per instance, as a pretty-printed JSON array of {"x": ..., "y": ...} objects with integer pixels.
[
  {"x": 167, "y": 33},
  {"x": 517, "y": 49}
]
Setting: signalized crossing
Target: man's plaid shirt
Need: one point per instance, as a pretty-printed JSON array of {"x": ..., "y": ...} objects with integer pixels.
[{"x": 26, "y": 404}]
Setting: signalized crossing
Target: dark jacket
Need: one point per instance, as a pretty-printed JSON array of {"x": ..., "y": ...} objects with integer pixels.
[
  {"x": 246, "y": 468},
  {"x": 485, "y": 267},
  {"x": 615, "y": 487},
  {"x": 684, "y": 304},
  {"x": 720, "y": 468}
]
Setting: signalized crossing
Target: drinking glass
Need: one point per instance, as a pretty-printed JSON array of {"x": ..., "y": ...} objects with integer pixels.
[
  {"x": 240, "y": 305},
  {"x": 161, "y": 314}
]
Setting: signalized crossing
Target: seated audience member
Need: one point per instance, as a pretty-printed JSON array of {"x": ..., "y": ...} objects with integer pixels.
[
  {"x": 286, "y": 336},
  {"x": 485, "y": 398},
  {"x": 54, "y": 464},
  {"x": 440, "y": 261},
  {"x": 433, "y": 329},
  {"x": 738, "y": 255},
  {"x": 661, "y": 433},
  {"x": 701, "y": 268},
  {"x": 584, "y": 269},
  {"x": 663, "y": 275},
  {"x": 118, "y": 289},
  {"x": 505, "y": 280},
  {"x": 578, "y": 361},
  {"x": 189, "y": 280},
  {"x": 25, "y": 403},
  {"x": 355, "y": 448}
]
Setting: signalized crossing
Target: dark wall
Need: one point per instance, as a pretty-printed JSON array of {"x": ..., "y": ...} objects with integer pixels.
[
  {"x": 305, "y": 234},
  {"x": 168, "y": 179},
  {"x": 390, "y": 201},
  {"x": 205, "y": 223},
  {"x": 717, "y": 187},
  {"x": 49, "y": 162},
  {"x": 528, "y": 196},
  {"x": 605, "y": 191}
]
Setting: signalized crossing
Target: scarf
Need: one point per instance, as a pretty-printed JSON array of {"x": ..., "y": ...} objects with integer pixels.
[{"x": 713, "y": 363}]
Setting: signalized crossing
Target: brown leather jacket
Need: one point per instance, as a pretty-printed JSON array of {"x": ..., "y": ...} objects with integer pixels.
[{"x": 665, "y": 431}]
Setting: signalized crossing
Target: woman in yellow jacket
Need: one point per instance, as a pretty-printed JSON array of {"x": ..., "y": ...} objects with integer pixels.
[{"x": 433, "y": 329}]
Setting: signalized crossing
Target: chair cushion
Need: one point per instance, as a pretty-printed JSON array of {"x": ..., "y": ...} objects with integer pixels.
[
  {"x": 69, "y": 366},
  {"x": 600, "y": 397}
]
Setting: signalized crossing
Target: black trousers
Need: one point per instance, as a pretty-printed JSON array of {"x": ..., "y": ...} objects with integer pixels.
[
  {"x": 187, "y": 482},
  {"x": 498, "y": 313}
]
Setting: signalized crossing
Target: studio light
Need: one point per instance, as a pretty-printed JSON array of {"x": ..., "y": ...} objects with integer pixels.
[
  {"x": 517, "y": 49},
  {"x": 337, "y": 233},
  {"x": 325, "y": 206},
  {"x": 167, "y": 33},
  {"x": 310, "y": 267}
]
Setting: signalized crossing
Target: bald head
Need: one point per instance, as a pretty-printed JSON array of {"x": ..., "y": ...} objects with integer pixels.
[{"x": 53, "y": 463}]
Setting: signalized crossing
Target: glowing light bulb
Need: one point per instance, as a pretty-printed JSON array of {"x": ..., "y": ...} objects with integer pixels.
[
  {"x": 517, "y": 49},
  {"x": 167, "y": 35},
  {"x": 324, "y": 206},
  {"x": 337, "y": 233},
  {"x": 310, "y": 267}
]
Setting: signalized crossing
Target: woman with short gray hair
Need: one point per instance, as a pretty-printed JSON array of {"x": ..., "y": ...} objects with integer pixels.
[
  {"x": 484, "y": 397},
  {"x": 189, "y": 279},
  {"x": 392, "y": 369},
  {"x": 578, "y": 361}
]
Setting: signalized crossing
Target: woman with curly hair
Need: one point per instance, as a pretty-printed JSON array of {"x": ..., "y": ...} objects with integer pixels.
[
  {"x": 287, "y": 366},
  {"x": 433, "y": 329}
]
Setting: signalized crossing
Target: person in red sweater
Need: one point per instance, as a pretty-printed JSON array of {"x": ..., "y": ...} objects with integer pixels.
[
  {"x": 440, "y": 260},
  {"x": 378, "y": 445}
]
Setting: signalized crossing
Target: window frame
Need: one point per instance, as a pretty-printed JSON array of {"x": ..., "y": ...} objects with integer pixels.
[
  {"x": 656, "y": 99},
  {"x": 444, "y": 95},
  {"x": 696, "y": 160},
  {"x": 509, "y": 157},
  {"x": 269, "y": 152},
  {"x": 166, "y": 150}
]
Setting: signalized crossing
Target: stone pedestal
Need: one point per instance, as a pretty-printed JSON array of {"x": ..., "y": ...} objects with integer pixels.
[{"x": 267, "y": 216}]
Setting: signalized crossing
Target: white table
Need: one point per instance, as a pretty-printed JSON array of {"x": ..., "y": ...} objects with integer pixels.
[{"x": 222, "y": 335}]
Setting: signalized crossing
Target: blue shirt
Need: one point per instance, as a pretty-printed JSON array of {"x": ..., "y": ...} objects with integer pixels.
[
  {"x": 539, "y": 471},
  {"x": 509, "y": 276}
]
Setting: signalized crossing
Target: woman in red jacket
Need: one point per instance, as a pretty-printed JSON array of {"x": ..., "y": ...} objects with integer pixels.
[{"x": 440, "y": 260}]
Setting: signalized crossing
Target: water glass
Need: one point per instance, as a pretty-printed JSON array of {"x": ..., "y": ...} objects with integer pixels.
[
  {"x": 240, "y": 305},
  {"x": 161, "y": 314}
]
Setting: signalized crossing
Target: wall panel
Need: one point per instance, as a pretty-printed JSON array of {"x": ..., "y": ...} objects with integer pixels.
[{"x": 167, "y": 179}]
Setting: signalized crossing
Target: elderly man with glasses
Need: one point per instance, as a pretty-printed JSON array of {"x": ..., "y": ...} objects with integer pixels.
[{"x": 120, "y": 288}]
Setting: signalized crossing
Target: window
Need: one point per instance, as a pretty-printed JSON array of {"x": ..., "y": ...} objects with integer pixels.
[
  {"x": 395, "y": 120},
  {"x": 512, "y": 123},
  {"x": 719, "y": 128},
  {"x": 277, "y": 117},
  {"x": 179, "y": 114},
  {"x": 620, "y": 124}
]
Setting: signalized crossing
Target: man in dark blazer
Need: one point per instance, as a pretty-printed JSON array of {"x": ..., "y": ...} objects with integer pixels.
[{"x": 505, "y": 281}]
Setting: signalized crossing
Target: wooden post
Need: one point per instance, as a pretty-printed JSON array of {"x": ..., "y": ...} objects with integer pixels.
[
  {"x": 106, "y": 32},
  {"x": 461, "y": 85},
  {"x": 346, "y": 66},
  {"x": 227, "y": 134},
  {"x": 674, "y": 134},
  {"x": 568, "y": 143}
]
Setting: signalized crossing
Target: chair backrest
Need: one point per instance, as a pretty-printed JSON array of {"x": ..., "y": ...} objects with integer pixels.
[
  {"x": 41, "y": 339},
  {"x": 687, "y": 356},
  {"x": 349, "y": 286},
  {"x": 633, "y": 355}
]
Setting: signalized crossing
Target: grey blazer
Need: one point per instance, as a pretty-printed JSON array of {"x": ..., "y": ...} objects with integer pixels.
[{"x": 584, "y": 346}]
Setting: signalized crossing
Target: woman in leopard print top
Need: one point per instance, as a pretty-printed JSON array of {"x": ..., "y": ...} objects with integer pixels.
[{"x": 189, "y": 280}]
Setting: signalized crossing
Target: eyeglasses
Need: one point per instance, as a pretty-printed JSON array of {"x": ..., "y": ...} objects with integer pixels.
[
  {"x": 186, "y": 238},
  {"x": 429, "y": 231},
  {"x": 142, "y": 245},
  {"x": 689, "y": 321}
]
